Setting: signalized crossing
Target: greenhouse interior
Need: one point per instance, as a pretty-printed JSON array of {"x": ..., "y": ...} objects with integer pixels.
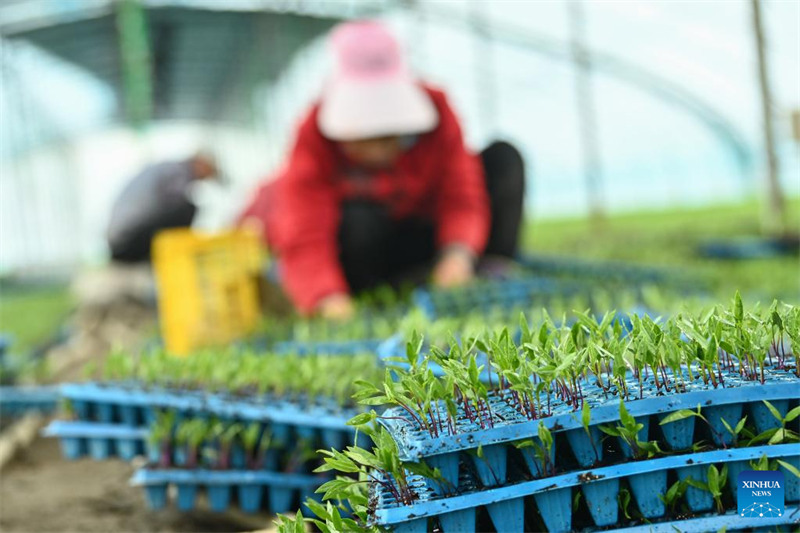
[{"x": 406, "y": 266}]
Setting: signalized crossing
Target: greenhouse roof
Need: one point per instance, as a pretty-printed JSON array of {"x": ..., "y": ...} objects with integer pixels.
[{"x": 176, "y": 59}]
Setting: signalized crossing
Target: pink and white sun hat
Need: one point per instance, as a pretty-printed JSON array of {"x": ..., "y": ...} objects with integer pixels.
[{"x": 372, "y": 93}]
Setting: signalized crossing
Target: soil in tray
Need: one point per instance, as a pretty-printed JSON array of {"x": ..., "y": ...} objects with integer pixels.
[{"x": 40, "y": 491}]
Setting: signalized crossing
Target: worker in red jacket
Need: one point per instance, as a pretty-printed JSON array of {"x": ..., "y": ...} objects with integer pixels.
[{"x": 380, "y": 187}]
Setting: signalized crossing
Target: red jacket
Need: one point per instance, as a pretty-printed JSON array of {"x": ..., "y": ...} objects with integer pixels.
[{"x": 438, "y": 178}]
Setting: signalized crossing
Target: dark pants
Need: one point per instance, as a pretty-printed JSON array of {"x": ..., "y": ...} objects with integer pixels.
[
  {"x": 376, "y": 250},
  {"x": 136, "y": 248}
]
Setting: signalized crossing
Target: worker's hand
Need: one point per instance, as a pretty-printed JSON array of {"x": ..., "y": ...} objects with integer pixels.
[
  {"x": 253, "y": 225},
  {"x": 337, "y": 307},
  {"x": 455, "y": 268}
]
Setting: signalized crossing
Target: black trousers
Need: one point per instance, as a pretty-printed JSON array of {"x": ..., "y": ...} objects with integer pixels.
[
  {"x": 376, "y": 250},
  {"x": 137, "y": 247}
]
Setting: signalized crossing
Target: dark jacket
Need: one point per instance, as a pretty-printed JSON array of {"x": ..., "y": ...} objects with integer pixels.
[{"x": 157, "y": 198}]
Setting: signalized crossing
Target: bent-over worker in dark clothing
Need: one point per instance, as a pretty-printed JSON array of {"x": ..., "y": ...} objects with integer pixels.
[{"x": 156, "y": 199}]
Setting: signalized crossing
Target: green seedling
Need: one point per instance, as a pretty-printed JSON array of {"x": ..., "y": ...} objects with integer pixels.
[
  {"x": 688, "y": 413},
  {"x": 255, "y": 443},
  {"x": 715, "y": 484},
  {"x": 330, "y": 519},
  {"x": 674, "y": 494},
  {"x": 291, "y": 524},
  {"x": 779, "y": 435},
  {"x": 586, "y": 418},
  {"x": 576, "y": 501},
  {"x": 118, "y": 365},
  {"x": 624, "y": 500},
  {"x": 191, "y": 434},
  {"x": 764, "y": 463},
  {"x": 68, "y": 409},
  {"x": 224, "y": 434},
  {"x": 478, "y": 452},
  {"x": 628, "y": 431},
  {"x": 381, "y": 465},
  {"x": 160, "y": 435},
  {"x": 300, "y": 454},
  {"x": 790, "y": 467},
  {"x": 543, "y": 449}
]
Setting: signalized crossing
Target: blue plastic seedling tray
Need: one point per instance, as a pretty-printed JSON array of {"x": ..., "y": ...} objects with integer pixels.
[
  {"x": 552, "y": 497},
  {"x": 255, "y": 490},
  {"x": 114, "y": 403},
  {"x": 447, "y": 452},
  {"x": 502, "y": 294},
  {"x": 328, "y": 347},
  {"x": 415, "y": 443},
  {"x": 613, "y": 270},
  {"x": 16, "y": 401},
  {"x": 176, "y": 455},
  {"x": 748, "y": 248},
  {"x": 99, "y": 441},
  {"x": 715, "y": 522}
]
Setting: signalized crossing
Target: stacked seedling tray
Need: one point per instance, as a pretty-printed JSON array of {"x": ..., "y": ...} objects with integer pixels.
[
  {"x": 253, "y": 491},
  {"x": 241, "y": 427},
  {"x": 123, "y": 420},
  {"x": 498, "y": 298},
  {"x": 258, "y": 466},
  {"x": 104, "y": 406},
  {"x": 16, "y": 401},
  {"x": 586, "y": 426},
  {"x": 601, "y": 270},
  {"x": 548, "y": 504},
  {"x": 97, "y": 440},
  {"x": 508, "y": 481},
  {"x": 97, "y": 428}
]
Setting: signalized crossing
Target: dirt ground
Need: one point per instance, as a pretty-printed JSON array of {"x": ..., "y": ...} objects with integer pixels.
[{"x": 42, "y": 492}]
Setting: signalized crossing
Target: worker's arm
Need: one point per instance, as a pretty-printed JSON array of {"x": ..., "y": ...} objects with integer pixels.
[
  {"x": 462, "y": 206},
  {"x": 306, "y": 222}
]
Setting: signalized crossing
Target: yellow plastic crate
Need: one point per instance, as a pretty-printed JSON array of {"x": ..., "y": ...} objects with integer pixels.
[{"x": 207, "y": 287}]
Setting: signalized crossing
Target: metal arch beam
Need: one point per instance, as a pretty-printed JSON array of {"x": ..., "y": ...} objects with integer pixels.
[
  {"x": 20, "y": 18},
  {"x": 267, "y": 33},
  {"x": 621, "y": 69},
  {"x": 152, "y": 76},
  {"x": 25, "y": 16}
]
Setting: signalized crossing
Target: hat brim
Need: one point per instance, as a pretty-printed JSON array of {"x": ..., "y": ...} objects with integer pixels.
[{"x": 354, "y": 110}]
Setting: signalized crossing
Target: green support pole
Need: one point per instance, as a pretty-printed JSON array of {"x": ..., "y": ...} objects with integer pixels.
[{"x": 134, "y": 45}]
